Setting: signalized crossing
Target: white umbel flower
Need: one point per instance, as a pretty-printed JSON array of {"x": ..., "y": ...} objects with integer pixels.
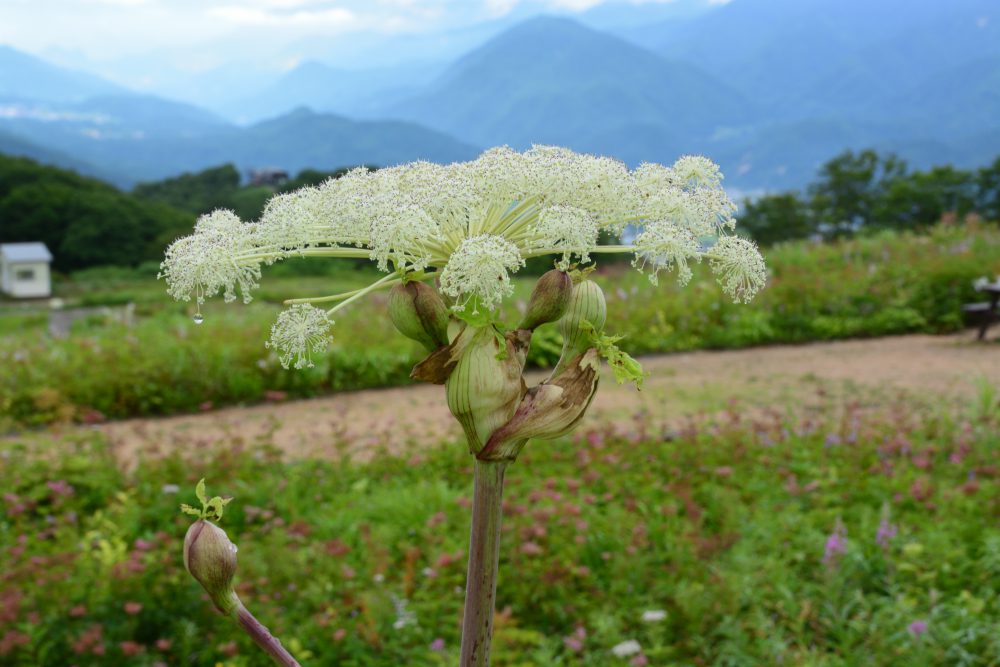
[
  {"x": 481, "y": 267},
  {"x": 403, "y": 237},
  {"x": 665, "y": 247},
  {"x": 739, "y": 266},
  {"x": 698, "y": 171},
  {"x": 206, "y": 263},
  {"x": 298, "y": 334},
  {"x": 471, "y": 225},
  {"x": 626, "y": 649},
  {"x": 572, "y": 230}
]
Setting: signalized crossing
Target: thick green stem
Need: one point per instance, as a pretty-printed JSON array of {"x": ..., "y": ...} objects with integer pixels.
[
  {"x": 263, "y": 637},
  {"x": 484, "y": 561}
]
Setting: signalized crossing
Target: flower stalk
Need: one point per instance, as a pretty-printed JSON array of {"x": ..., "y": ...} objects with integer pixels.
[
  {"x": 210, "y": 557},
  {"x": 484, "y": 563}
]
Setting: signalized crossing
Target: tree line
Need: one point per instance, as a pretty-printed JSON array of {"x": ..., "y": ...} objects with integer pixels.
[
  {"x": 86, "y": 222},
  {"x": 867, "y": 191}
]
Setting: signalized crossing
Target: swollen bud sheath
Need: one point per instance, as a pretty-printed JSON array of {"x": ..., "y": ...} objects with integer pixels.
[
  {"x": 549, "y": 410},
  {"x": 485, "y": 385},
  {"x": 586, "y": 304},
  {"x": 418, "y": 312},
  {"x": 549, "y": 299},
  {"x": 210, "y": 557}
]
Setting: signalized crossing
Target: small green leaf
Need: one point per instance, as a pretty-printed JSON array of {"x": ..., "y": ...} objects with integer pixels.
[
  {"x": 624, "y": 367},
  {"x": 214, "y": 508},
  {"x": 501, "y": 343},
  {"x": 210, "y": 509},
  {"x": 187, "y": 509}
]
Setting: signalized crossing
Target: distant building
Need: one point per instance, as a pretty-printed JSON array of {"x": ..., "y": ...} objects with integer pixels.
[
  {"x": 268, "y": 177},
  {"x": 24, "y": 270}
]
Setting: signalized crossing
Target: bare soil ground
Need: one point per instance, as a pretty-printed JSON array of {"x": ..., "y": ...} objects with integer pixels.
[{"x": 360, "y": 423}]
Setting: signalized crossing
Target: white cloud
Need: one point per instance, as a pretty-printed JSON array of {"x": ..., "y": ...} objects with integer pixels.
[
  {"x": 501, "y": 7},
  {"x": 336, "y": 18},
  {"x": 576, "y": 5}
]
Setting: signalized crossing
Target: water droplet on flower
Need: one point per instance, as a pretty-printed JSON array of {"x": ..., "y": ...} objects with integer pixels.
[{"x": 198, "y": 318}]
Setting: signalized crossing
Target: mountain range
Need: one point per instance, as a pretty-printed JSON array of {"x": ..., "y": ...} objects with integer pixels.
[{"x": 769, "y": 88}]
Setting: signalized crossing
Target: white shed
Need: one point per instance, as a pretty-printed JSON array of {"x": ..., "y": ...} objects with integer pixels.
[{"x": 24, "y": 270}]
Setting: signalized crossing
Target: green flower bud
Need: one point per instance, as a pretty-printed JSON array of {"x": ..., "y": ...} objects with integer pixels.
[
  {"x": 549, "y": 410},
  {"x": 587, "y": 304},
  {"x": 485, "y": 385},
  {"x": 418, "y": 312},
  {"x": 548, "y": 300},
  {"x": 210, "y": 557}
]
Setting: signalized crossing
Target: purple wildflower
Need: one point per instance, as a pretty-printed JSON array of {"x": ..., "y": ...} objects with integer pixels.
[
  {"x": 836, "y": 545},
  {"x": 917, "y": 627},
  {"x": 886, "y": 530}
]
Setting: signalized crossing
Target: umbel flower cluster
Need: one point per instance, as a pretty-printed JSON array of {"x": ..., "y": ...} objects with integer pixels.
[{"x": 470, "y": 226}]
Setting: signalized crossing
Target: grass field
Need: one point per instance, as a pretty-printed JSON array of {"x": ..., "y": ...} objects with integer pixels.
[
  {"x": 165, "y": 363},
  {"x": 847, "y": 535}
]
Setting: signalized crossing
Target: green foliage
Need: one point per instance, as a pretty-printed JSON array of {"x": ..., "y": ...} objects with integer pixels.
[
  {"x": 219, "y": 187},
  {"x": 774, "y": 218},
  {"x": 197, "y": 193},
  {"x": 212, "y": 509},
  {"x": 866, "y": 192},
  {"x": 892, "y": 283},
  {"x": 725, "y": 528},
  {"x": 624, "y": 367},
  {"x": 84, "y": 222}
]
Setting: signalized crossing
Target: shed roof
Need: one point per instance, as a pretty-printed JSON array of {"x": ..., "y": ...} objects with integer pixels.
[{"x": 25, "y": 252}]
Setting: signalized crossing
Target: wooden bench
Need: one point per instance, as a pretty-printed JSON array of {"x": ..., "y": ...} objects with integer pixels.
[{"x": 983, "y": 313}]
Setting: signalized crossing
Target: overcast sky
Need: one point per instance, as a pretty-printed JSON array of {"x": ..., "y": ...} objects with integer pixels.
[{"x": 110, "y": 29}]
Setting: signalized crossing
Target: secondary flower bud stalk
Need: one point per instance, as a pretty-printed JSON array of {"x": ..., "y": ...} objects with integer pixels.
[
  {"x": 210, "y": 557},
  {"x": 418, "y": 312},
  {"x": 587, "y": 304},
  {"x": 549, "y": 299}
]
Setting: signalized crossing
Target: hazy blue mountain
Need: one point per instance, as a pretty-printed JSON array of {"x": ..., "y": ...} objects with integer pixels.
[
  {"x": 324, "y": 88},
  {"x": 553, "y": 80},
  {"x": 24, "y": 76},
  {"x": 294, "y": 141},
  {"x": 786, "y": 154},
  {"x": 804, "y": 57},
  {"x": 19, "y": 147},
  {"x": 304, "y": 138},
  {"x": 958, "y": 100}
]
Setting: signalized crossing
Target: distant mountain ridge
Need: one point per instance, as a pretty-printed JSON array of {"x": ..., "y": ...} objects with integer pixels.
[
  {"x": 771, "y": 89},
  {"x": 24, "y": 76},
  {"x": 552, "y": 80},
  {"x": 83, "y": 123}
]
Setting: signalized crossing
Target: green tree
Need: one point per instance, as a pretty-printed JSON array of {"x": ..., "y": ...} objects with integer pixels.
[
  {"x": 199, "y": 193},
  {"x": 922, "y": 198},
  {"x": 988, "y": 191},
  {"x": 84, "y": 222},
  {"x": 844, "y": 198},
  {"x": 773, "y": 218}
]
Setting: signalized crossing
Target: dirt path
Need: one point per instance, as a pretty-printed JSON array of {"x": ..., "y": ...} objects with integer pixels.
[{"x": 358, "y": 423}]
